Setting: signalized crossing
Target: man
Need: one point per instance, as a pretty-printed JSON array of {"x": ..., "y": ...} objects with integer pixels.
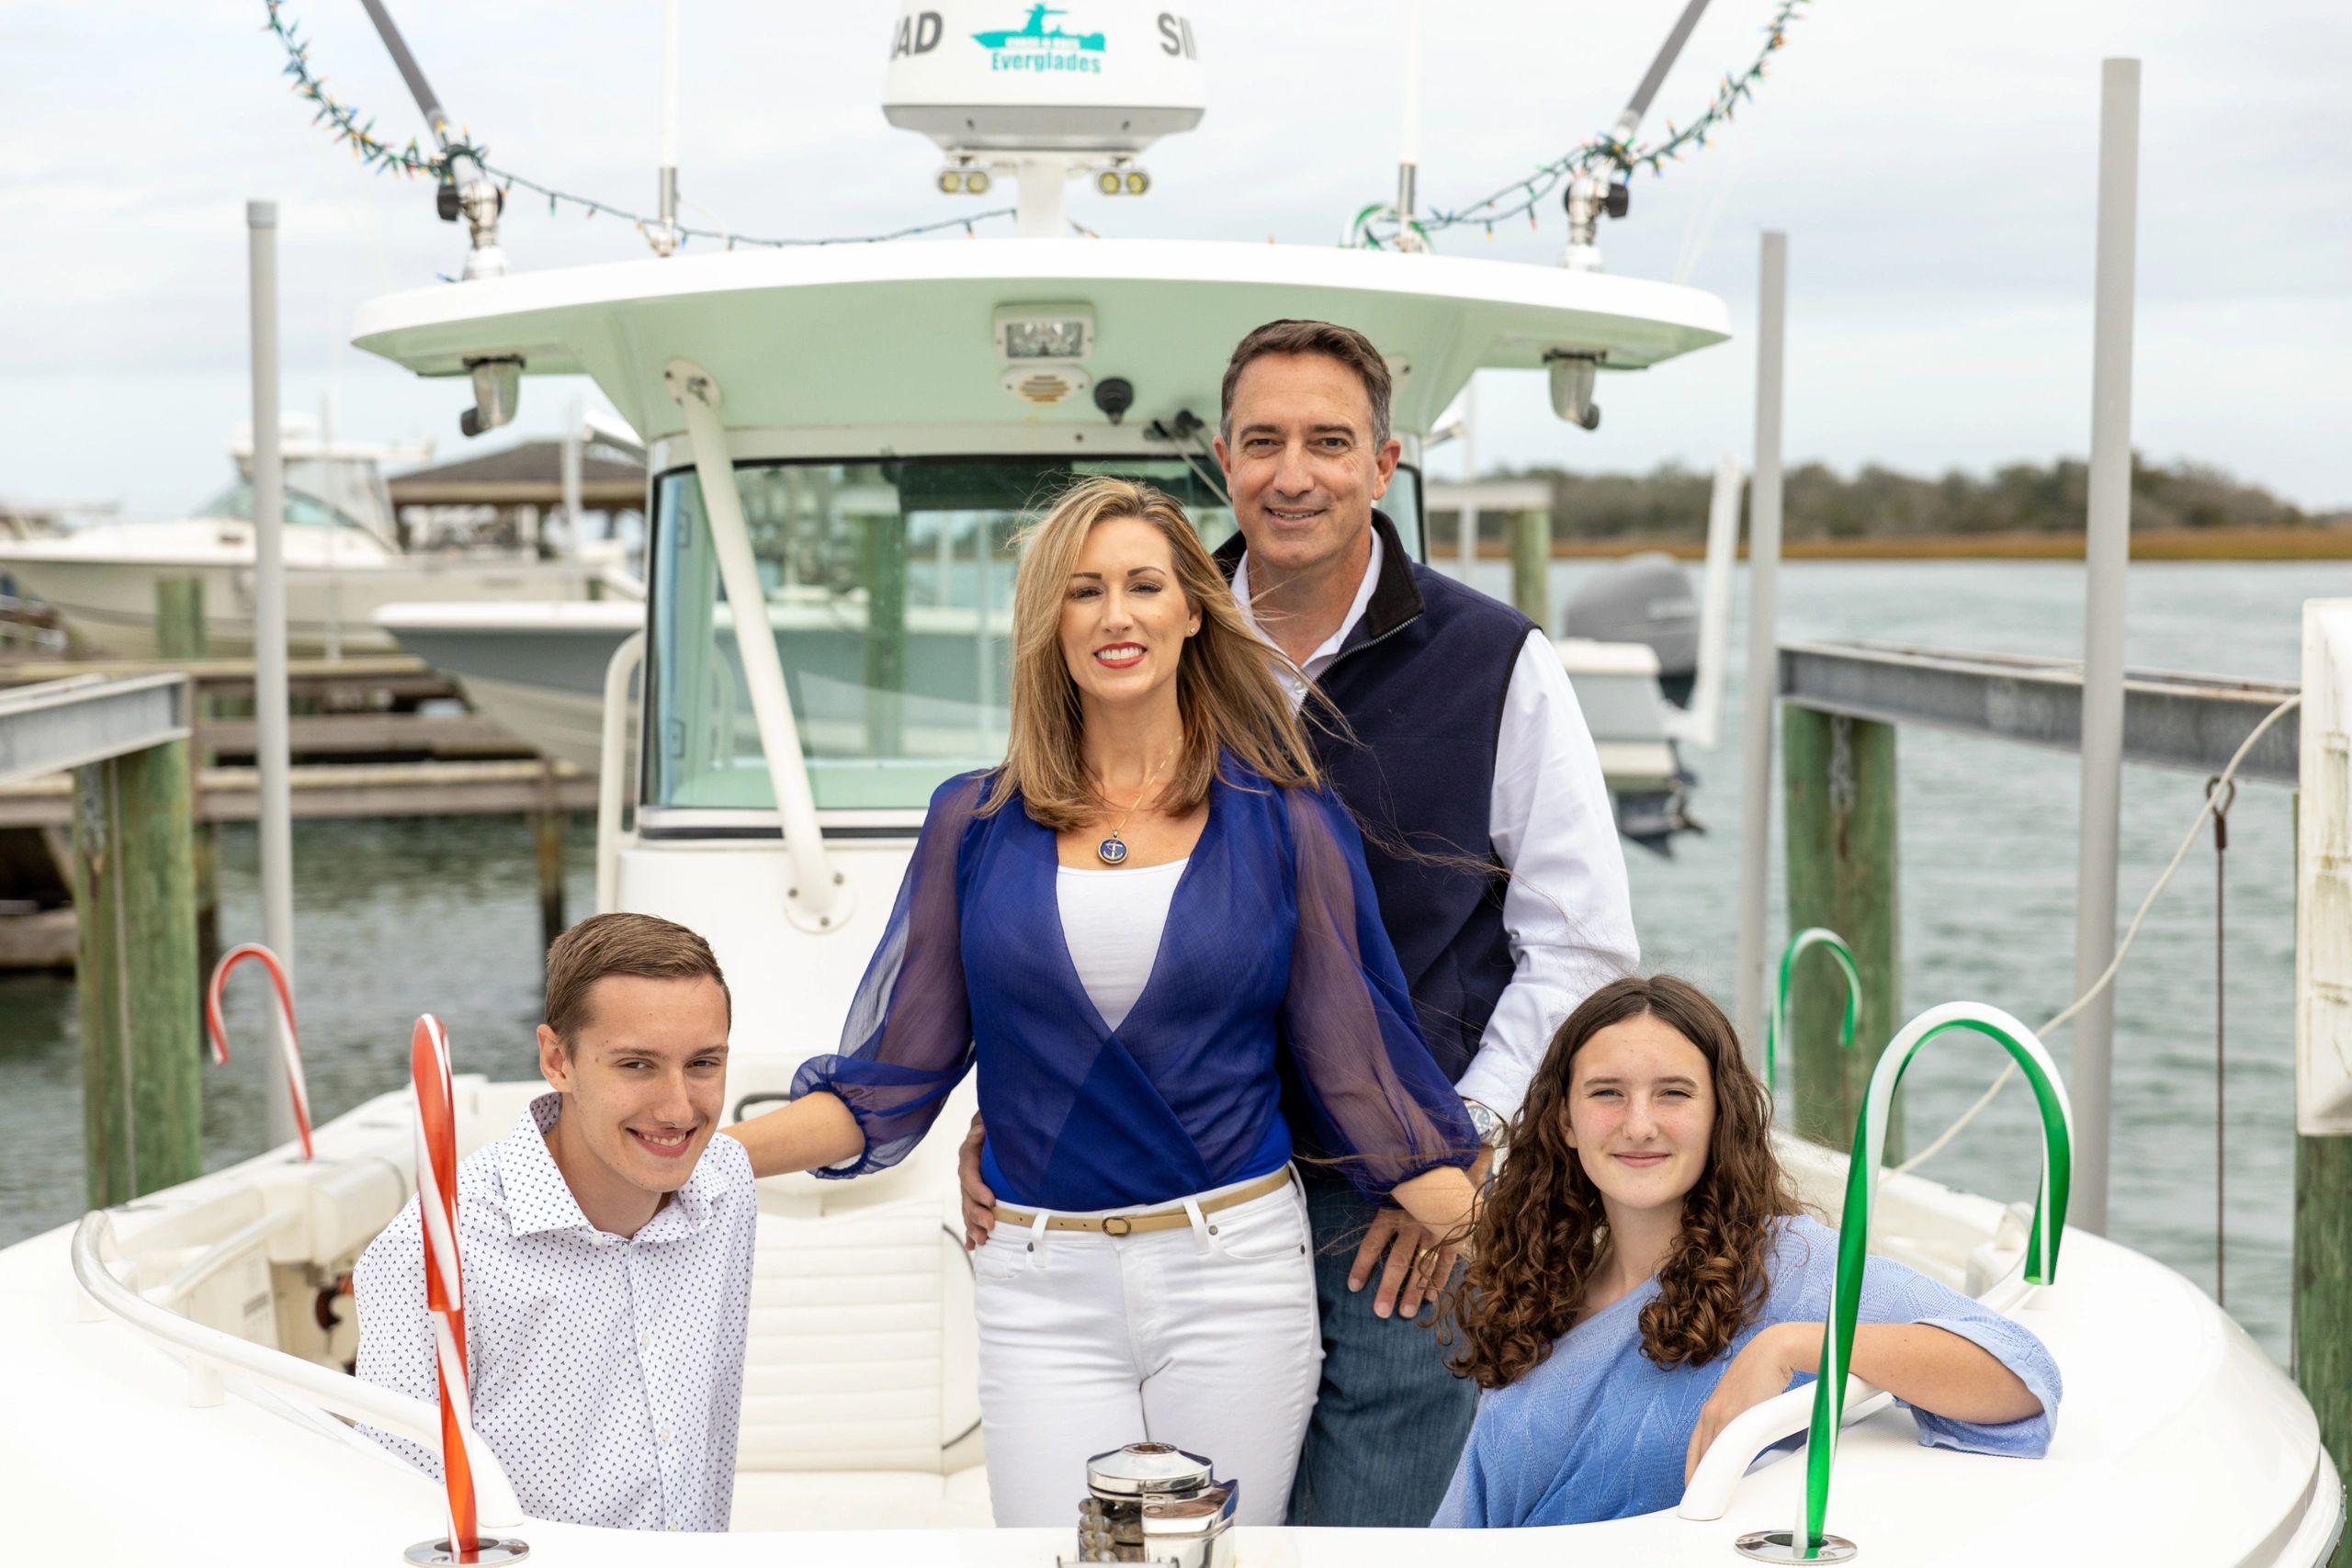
[
  {"x": 1492, "y": 846},
  {"x": 606, "y": 1243}
]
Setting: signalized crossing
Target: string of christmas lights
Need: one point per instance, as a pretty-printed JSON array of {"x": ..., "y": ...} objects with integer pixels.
[
  {"x": 1522, "y": 196},
  {"x": 410, "y": 160}
]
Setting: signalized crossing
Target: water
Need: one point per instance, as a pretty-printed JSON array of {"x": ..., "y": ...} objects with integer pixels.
[{"x": 397, "y": 915}]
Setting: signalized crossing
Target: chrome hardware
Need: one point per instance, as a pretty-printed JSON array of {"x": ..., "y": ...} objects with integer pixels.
[
  {"x": 1154, "y": 1503},
  {"x": 1775, "y": 1546}
]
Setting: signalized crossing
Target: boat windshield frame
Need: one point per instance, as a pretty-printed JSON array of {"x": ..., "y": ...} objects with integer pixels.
[{"x": 882, "y": 721}]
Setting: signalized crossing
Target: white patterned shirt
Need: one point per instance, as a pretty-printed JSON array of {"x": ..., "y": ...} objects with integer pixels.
[{"x": 607, "y": 1371}]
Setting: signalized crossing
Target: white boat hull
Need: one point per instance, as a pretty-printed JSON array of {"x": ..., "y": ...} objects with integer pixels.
[
  {"x": 110, "y": 604},
  {"x": 2179, "y": 1442}
]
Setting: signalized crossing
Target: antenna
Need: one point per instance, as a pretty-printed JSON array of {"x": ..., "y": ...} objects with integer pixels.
[
  {"x": 666, "y": 239},
  {"x": 470, "y": 191},
  {"x": 1671, "y": 49},
  {"x": 1408, "y": 158}
]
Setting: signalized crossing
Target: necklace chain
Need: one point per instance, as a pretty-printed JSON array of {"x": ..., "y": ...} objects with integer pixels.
[{"x": 1113, "y": 849}]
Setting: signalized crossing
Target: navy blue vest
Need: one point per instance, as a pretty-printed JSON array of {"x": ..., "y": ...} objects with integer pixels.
[{"x": 1421, "y": 682}]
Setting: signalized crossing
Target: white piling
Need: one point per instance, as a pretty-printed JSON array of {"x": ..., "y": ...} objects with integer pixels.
[
  {"x": 2107, "y": 554},
  {"x": 1762, "y": 692},
  {"x": 272, "y": 753},
  {"x": 1466, "y": 528}
]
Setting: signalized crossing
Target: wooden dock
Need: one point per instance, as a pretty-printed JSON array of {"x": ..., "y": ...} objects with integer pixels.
[
  {"x": 360, "y": 745},
  {"x": 363, "y": 741}
]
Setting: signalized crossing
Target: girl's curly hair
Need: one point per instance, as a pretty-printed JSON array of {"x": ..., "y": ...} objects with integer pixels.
[{"x": 1543, "y": 1232}]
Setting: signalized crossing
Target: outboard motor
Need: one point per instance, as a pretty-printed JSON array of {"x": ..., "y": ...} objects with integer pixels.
[
  {"x": 1645, "y": 598},
  {"x": 1155, "y": 1503}
]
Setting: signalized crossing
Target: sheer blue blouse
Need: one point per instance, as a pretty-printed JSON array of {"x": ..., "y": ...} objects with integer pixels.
[
  {"x": 1273, "y": 966},
  {"x": 1597, "y": 1431}
]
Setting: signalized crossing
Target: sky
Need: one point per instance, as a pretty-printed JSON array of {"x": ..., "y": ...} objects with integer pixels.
[{"x": 1935, "y": 168}]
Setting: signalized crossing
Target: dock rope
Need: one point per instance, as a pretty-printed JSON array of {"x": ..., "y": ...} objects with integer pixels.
[
  {"x": 2130, "y": 934},
  {"x": 288, "y": 1048},
  {"x": 436, "y": 1202}
]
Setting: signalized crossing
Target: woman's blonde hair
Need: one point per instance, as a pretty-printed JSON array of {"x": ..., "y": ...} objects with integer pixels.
[{"x": 1227, "y": 689}]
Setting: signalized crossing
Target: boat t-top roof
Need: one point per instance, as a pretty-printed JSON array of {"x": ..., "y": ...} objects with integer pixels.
[{"x": 907, "y": 332}]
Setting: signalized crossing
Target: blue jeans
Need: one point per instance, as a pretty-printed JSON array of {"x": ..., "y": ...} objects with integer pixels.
[{"x": 1390, "y": 1419}]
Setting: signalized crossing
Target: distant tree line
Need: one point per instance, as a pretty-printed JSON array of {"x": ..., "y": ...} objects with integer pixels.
[{"x": 1670, "y": 502}]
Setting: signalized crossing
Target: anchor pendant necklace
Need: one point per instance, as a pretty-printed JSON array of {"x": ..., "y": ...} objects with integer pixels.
[{"x": 1113, "y": 850}]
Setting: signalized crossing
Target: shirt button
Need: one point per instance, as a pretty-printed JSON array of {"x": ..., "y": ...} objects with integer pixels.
[{"x": 665, "y": 1434}]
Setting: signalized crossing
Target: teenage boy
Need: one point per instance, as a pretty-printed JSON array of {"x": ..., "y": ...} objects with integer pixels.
[{"x": 606, "y": 1243}]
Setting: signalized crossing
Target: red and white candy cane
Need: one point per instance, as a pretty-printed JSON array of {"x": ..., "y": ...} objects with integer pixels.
[
  {"x": 436, "y": 1201},
  {"x": 288, "y": 1046}
]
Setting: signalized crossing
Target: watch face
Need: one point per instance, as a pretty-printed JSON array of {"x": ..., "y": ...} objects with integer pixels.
[{"x": 1488, "y": 1125}]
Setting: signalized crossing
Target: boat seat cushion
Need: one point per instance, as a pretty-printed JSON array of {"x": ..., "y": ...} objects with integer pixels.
[{"x": 862, "y": 1365}]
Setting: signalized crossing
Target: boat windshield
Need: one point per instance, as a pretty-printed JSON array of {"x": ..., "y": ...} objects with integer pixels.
[
  {"x": 890, "y": 587},
  {"x": 301, "y": 510}
]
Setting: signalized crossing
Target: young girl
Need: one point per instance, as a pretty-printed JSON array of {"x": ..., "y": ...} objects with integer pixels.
[{"x": 1642, "y": 1276}]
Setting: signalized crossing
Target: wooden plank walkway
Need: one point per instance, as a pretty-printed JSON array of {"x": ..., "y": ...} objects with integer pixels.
[{"x": 345, "y": 789}]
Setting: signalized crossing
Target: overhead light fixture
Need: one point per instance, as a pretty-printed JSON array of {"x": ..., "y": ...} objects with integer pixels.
[
  {"x": 1573, "y": 376},
  {"x": 962, "y": 179},
  {"x": 1137, "y": 181},
  {"x": 1107, "y": 182},
  {"x": 1043, "y": 351},
  {"x": 498, "y": 385},
  {"x": 1025, "y": 333}
]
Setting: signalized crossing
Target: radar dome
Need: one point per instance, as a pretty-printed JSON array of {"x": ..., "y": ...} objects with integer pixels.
[{"x": 1088, "y": 76}]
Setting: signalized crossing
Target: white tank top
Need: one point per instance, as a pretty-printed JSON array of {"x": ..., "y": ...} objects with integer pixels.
[{"x": 1111, "y": 921}]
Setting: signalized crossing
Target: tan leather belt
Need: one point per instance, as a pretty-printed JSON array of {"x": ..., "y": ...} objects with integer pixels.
[{"x": 1158, "y": 1219}]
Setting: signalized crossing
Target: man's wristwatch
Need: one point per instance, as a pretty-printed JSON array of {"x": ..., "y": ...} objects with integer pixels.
[{"x": 1489, "y": 1126}]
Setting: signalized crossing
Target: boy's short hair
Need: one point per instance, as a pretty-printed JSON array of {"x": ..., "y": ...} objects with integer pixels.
[{"x": 644, "y": 946}]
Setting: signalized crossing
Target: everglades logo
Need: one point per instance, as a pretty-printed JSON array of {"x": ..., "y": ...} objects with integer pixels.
[{"x": 1035, "y": 47}]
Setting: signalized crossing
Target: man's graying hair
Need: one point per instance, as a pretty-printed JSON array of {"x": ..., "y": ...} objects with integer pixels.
[{"x": 1347, "y": 345}]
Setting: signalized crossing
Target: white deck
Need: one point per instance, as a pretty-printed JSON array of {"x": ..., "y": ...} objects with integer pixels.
[{"x": 2179, "y": 1440}]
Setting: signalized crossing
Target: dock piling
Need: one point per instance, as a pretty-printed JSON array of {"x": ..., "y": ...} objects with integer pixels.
[
  {"x": 273, "y": 749},
  {"x": 135, "y": 973},
  {"x": 2322, "y": 1324},
  {"x": 1840, "y": 805},
  {"x": 181, "y": 632},
  {"x": 546, "y": 838},
  {"x": 1761, "y": 688},
  {"x": 1531, "y": 562},
  {"x": 2107, "y": 553}
]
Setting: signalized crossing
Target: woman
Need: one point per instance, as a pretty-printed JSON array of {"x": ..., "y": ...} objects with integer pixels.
[
  {"x": 1641, "y": 1275},
  {"x": 1139, "y": 928}
]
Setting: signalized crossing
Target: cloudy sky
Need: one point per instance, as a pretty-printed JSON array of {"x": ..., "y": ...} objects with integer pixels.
[{"x": 1935, "y": 167}]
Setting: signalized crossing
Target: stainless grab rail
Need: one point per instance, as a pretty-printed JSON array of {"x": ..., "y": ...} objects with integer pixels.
[{"x": 615, "y": 784}]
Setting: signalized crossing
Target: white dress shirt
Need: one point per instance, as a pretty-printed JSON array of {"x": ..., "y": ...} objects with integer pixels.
[
  {"x": 1567, "y": 908},
  {"x": 607, "y": 1371}
]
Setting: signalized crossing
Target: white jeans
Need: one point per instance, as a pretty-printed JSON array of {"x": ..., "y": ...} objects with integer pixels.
[{"x": 1208, "y": 1341}]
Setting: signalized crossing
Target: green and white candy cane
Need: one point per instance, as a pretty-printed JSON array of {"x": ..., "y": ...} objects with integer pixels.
[
  {"x": 1861, "y": 1194},
  {"x": 1776, "y": 1022}
]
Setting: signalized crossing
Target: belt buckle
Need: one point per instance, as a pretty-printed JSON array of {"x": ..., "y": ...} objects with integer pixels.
[{"x": 1117, "y": 1225}]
